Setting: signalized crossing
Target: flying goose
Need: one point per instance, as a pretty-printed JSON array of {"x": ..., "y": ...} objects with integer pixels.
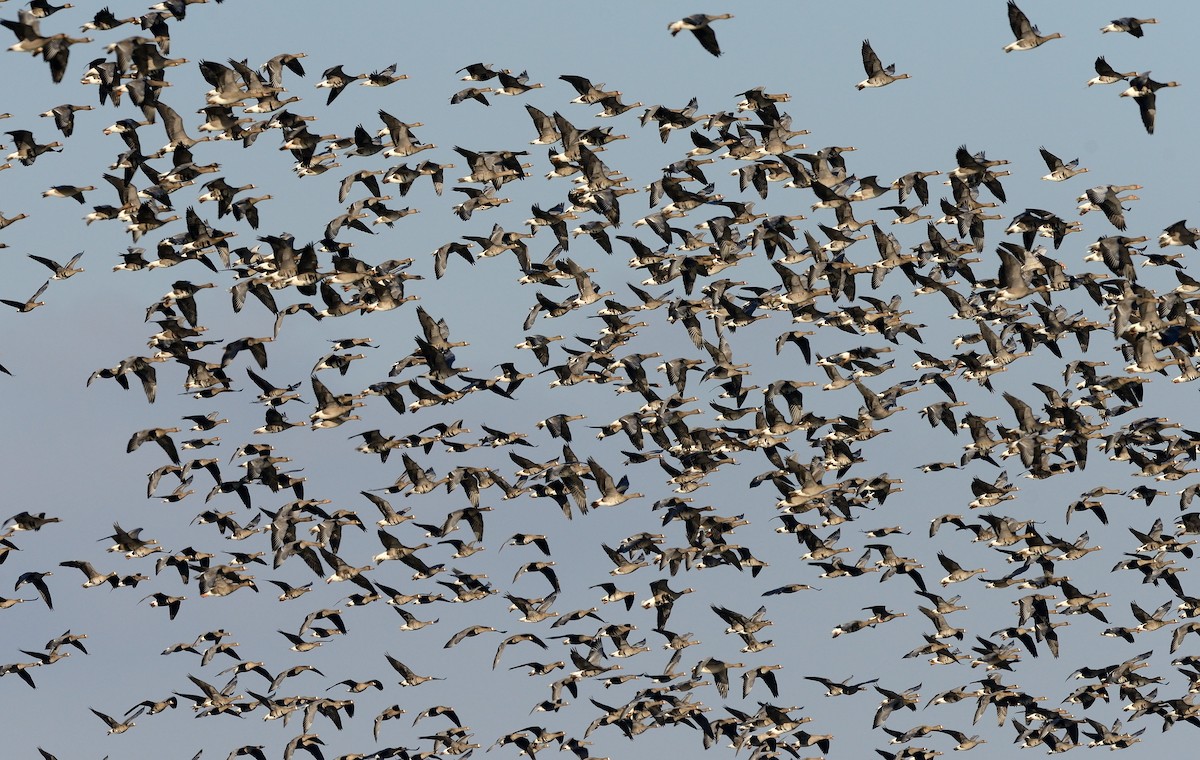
[
  {"x": 698, "y": 24},
  {"x": 61, "y": 271},
  {"x": 115, "y": 726},
  {"x": 1059, "y": 170},
  {"x": 172, "y": 603},
  {"x": 1179, "y": 234},
  {"x": 877, "y": 74},
  {"x": 956, "y": 572},
  {"x": 335, "y": 80},
  {"x": 64, "y": 117},
  {"x": 407, "y": 676},
  {"x": 383, "y": 78},
  {"x": 94, "y": 578},
  {"x": 1106, "y": 74},
  {"x": 28, "y": 149},
  {"x": 1028, "y": 36},
  {"x": 1128, "y": 24},
  {"x": 478, "y": 72},
  {"x": 29, "y": 304},
  {"x": 1144, "y": 91},
  {"x": 612, "y": 493}
]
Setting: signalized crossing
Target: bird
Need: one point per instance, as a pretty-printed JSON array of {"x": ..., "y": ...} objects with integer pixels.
[
  {"x": 27, "y": 148},
  {"x": 117, "y": 726},
  {"x": 956, "y": 572},
  {"x": 61, "y": 271},
  {"x": 64, "y": 117},
  {"x": 37, "y": 580},
  {"x": 94, "y": 578},
  {"x": 1144, "y": 91},
  {"x": 407, "y": 676},
  {"x": 1027, "y": 35},
  {"x": 611, "y": 493},
  {"x": 1129, "y": 25},
  {"x": 336, "y": 80},
  {"x": 1059, "y": 170},
  {"x": 699, "y": 25},
  {"x": 68, "y": 191},
  {"x": 1106, "y": 74},
  {"x": 877, "y": 74},
  {"x": 172, "y": 603},
  {"x": 29, "y": 304}
]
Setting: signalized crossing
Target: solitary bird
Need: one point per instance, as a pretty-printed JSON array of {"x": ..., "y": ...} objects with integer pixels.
[{"x": 698, "y": 24}]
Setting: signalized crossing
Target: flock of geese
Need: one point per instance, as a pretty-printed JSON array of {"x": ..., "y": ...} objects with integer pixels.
[{"x": 709, "y": 281}]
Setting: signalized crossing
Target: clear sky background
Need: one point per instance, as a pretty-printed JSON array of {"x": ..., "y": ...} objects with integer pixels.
[{"x": 63, "y": 444}]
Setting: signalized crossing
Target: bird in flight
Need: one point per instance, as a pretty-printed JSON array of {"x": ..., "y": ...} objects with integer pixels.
[{"x": 699, "y": 25}]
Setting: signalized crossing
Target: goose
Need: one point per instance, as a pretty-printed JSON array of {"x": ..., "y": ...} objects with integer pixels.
[
  {"x": 172, "y": 603},
  {"x": 612, "y": 494},
  {"x": 1028, "y": 36},
  {"x": 383, "y": 77},
  {"x": 343, "y": 571},
  {"x": 68, "y": 191},
  {"x": 5, "y": 221},
  {"x": 1104, "y": 198},
  {"x": 407, "y": 676},
  {"x": 468, "y": 632},
  {"x": 61, "y": 271},
  {"x": 612, "y": 106},
  {"x": 335, "y": 80},
  {"x": 247, "y": 209},
  {"x": 1128, "y": 24},
  {"x": 478, "y": 72},
  {"x": 1059, "y": 170},
  {"x": 956, "y": 572},
  {"x": 115, "y": 726},
  {"x": 877, "y": 74},
  {"x": 223, "y": 580},
  {"x": 1106, "y": 74},
  {"x": 275, "y": 66},
  {"x": 64, "y": 117},
  {"x": 222, "y": 193},
  {"x": 719, "y": 671},
  {"x": 42, "y": 8},
  {"x": 28, "y": 149},
  {"x": 290, "y": 592},
  {"x": 906, "y": 215},
  {"x": 1179, "y": 234},
  {"x": 699, "y": 25},
  {"x": 28, "y": 32},
  {"x": 589, "y": 92},
  {"x": 471, "y": 93},
  {"x": 1144, "y": 91},
  {"x": 404, "y": 142},
  {"x": 104, "y": 20},
  {"x": 24, "y": 307},
  {"x": 514, "y": 84},
  {"x": 624, "y": 566},
  {"x": 94, "y": 578}
]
